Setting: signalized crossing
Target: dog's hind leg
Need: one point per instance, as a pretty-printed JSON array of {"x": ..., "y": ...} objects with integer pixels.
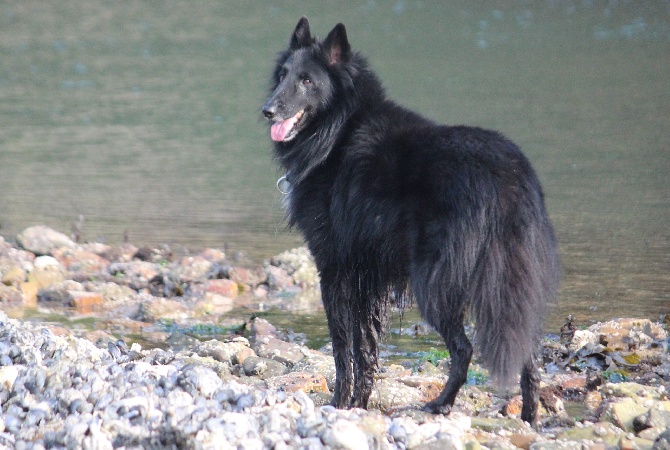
[
  {"x": 530, "y": 390},
  {"x": 367, "y": 329},
  {"x": 460, "y": 350},
  {"x": 339, "y": 324}
]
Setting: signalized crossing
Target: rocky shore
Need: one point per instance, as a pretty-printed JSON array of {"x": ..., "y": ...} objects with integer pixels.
[{"x": 255, "y": 386}]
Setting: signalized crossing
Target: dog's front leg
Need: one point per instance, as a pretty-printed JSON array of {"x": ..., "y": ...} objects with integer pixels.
[
  {"x": 339, "y": 324},
  {"x": 367, "y": 328}
]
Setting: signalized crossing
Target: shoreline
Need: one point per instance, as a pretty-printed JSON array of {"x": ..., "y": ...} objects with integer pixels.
[{"x": 256, "y": 386}]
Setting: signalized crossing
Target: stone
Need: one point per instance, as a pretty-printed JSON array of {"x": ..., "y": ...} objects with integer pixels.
[
  {"x": 299, "y": 264},
  {"x": 662, "y": 442},
  {"x": 261, "y": 327},
  {"x": 550, "y": 397},
  {"x": 255, "y": 366},
  {"x": 46, "y": 272},
  {"x": 213, "y": 304},
  {"x": 393, "y": 371},
  {"x": 345, "y": 435},
  {"x": 261, "y": 291},
  {"x": 79, "y": 260},
  {"x": 122, "y": 254},
  {"x": 523, "y": 440},
  {"x": 111, "y": 292},
  {"x": 623, "y": 412},
  {"x": 29, "y": 291},
  {"x": 41, "y": 240},
  {"x": 513, "y": 406},
  {"x": 574, "y": 383},
  {"x": 564, "y": 445},
  {"x": 14, "y": 276},
  {"x": 100, "y": 338},
  {"x": 8, "y": 375},
  {"x": 10, "y": 294},
  {"x": 98, "y": 248},
  {"x": 274, "y": 348},
  {"x": 629, "y": 333},
  {"x": 59, "y": 292},
  {"x": 194, "y": 268},
  {"x": 85, "y": 302},
  {"x": 11, "y": 256},
  {"x": 374, "y": 424},
  {"x": 635, "y": 443},
  {"x": 45, "y": 262},
  {"x": 317, "y": 362},
  {"x": 226, "y": 288},
  {"x": 212, "y": 255},
  {"x": 604, "y": 431},
  {"x": 428, "y": 387},
  {"x": 242, "y": 355},
  {"x": 582, "y": 338},
  {"x": 277, "y": 278},
  {"x": 632, "y": 390},
  {"x": 388, "y": 394},
  {"x": 494, "y": 425},
  {"x": 160, "y": 308},
  {"x": 242, "y": 275},
  {"x": 652, "y": 423},
  {"x": 222, "y": 351},
  {"x": 426, "y": 368},
  {"x": 593, "y": 401},
  {"x": 292, "y": 382}
]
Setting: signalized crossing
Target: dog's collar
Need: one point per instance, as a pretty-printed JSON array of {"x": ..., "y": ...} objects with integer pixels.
[{"x": 284, "y": 184}]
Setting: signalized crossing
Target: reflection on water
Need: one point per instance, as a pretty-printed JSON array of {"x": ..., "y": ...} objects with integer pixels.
[{"x": 144, "y": 118}]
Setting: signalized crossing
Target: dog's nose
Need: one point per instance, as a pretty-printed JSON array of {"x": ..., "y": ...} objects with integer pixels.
[{"x": 269, "y": 111}]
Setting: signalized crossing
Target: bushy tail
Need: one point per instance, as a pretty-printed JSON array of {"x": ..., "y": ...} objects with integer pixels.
[{"x": 514, "y": 280}]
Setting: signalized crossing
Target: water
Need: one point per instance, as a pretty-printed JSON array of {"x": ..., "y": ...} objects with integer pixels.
[{"x": 144, "y": 119}]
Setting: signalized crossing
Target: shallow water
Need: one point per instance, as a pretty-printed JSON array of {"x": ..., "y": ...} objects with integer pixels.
[{"x": 143, "y": 119}]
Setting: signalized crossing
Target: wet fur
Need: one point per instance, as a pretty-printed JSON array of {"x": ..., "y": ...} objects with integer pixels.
[{"x": 394, "y": 207}]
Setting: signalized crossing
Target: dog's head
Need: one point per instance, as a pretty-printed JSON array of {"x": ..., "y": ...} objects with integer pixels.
[{"x": 302, "y": 82}]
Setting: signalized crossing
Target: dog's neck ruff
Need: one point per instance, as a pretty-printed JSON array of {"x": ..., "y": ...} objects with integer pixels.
[{"x": 284, "y": 184}]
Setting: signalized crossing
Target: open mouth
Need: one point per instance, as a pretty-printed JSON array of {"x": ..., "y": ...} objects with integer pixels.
[{"x": 285, "y": 130}]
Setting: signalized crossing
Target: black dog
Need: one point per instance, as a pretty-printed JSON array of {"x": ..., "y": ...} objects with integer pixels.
[{"x": 395, "y": 207}]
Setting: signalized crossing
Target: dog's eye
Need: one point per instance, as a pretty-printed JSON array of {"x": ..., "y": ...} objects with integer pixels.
[{"x": 306, "y": 81}]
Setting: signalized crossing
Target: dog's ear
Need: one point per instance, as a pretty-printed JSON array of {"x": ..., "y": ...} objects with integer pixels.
[
  {"x": 336, "y": 45},
  {"x": 301, "y": 36}
]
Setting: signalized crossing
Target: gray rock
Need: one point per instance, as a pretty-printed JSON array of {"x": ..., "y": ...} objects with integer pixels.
[
  {"x": 346, "y": 435},
  {"x": 299, "y": 264},
  {"x": 315, "y": 362},
  {"x": 263, "y": 367},
  {"x": 222, "y": 351},
  {"x": 41, "y": 240},
  {"x": 200, "y": 379},
  {"x": 284, "y": 352},
  {"x": 662, "y": 442},
  {"x": 261, "y": 328},
  {"x": 277, "y": 278}
]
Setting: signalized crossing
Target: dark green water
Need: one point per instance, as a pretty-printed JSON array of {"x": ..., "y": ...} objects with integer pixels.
[{"x": 143, "y": 117}]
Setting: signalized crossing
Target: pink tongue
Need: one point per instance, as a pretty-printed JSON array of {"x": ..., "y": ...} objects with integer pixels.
[{"x": 279, "y": 130}]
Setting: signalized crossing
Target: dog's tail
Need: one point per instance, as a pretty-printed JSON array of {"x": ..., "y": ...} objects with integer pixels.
[{"x": 512, "y": 285}]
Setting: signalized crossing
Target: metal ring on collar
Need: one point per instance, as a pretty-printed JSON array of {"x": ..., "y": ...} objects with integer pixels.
[{"x": 283, "y": 185}]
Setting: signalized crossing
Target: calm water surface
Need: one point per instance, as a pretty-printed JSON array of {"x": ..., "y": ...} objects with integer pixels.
[{"x": 144, "y": 118}]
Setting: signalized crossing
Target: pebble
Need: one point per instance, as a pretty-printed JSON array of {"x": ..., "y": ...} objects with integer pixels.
[
  {"x": 70, "y": 393},
  {"x": 60, "y": 390}
]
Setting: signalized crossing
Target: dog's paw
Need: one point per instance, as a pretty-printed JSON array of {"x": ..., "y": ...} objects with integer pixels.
[
  {"x": 340, "y": 403},
  {"x": 358, "y": 403},
  {"x": 437, "y": 408}
]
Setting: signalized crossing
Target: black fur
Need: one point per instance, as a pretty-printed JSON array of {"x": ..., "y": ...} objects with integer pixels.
[{"x": 396, "y": 207}]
